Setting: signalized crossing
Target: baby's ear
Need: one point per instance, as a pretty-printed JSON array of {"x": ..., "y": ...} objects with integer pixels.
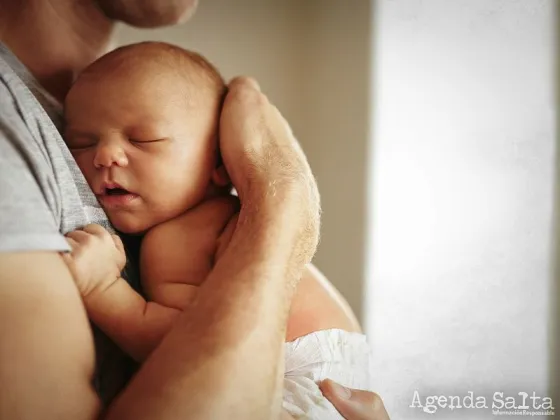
[{"x": 220, "y": 176}]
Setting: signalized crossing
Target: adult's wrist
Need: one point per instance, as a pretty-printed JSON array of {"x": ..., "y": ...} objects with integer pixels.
[{"x": 286, "y": 215}]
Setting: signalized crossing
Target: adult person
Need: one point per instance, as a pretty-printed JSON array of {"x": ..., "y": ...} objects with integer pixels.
[{"x": 201, "y": 370}]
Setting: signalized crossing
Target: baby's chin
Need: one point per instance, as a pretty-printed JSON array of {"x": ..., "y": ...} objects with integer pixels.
[{"x": 130, "y": 225}]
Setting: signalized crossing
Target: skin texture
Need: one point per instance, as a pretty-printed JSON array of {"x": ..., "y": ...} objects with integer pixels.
[
  {"x": 148, "y": 14},
  {"x": 51, "y": 379},
  {"x": 147, "y": 128}
]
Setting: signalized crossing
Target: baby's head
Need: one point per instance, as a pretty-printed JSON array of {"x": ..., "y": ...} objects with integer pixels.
[{"x": 142, "y": 124}]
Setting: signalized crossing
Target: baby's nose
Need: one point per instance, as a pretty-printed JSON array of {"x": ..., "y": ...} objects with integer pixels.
[{"x": 108, "y": 155}]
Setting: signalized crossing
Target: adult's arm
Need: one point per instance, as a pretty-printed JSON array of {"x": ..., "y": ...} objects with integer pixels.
[
  {"x": 231, "y": 339},
  {"x": 46, "y": 346},
  {"x": 41, "y": 309}
]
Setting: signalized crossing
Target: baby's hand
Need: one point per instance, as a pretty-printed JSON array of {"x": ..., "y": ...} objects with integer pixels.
[{"x": 96, "y": 260}]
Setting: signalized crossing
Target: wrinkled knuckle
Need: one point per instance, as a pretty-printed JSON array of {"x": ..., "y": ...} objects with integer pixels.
[
  {"x": 67, "y": 257},
  {"x": 88, "y": 240},
  {"x": 94, "y": 229},
  {"x": 105, "y": 236}
]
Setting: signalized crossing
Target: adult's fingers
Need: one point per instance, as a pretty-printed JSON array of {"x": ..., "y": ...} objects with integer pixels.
[
  {"x": 243, "y": 81},
  {"x": 354, "y": 404}
]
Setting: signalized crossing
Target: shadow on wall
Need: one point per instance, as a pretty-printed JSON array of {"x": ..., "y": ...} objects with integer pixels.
[{"x": 554, "y": 343}]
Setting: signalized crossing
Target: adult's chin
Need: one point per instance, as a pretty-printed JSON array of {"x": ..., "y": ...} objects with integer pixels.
[{"x": 148, "y": 13}]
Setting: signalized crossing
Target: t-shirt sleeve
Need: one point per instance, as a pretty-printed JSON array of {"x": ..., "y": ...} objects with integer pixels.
[{"x": 29, "y": 218}]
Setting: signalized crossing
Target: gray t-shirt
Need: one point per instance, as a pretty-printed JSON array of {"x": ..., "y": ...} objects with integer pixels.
[{"x": 43, "y": 194}]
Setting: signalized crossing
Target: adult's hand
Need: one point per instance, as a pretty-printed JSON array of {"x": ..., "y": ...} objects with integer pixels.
[
  {"x": 257, "y": 144},
  {"x": 269, "y": 169},
  {"x": 354, "y": 404}
]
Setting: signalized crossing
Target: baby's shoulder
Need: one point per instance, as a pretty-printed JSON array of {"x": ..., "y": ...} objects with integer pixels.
[
  {"x": 221, "y": 205},
  {"x": 212, "y": 215},
  {"x": 199, "y": 228},
  {"x": 216, "y": 211}
]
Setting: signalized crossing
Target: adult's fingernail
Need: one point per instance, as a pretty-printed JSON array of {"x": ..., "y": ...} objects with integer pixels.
[
  {"x": 253, "y": 83},
  {"x": 245, "y": 80},
  {"x": 341, "y": 391}
]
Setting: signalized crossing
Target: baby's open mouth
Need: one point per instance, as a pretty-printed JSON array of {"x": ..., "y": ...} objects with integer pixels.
[
  {"x": 115, "y": 197},
  {"x": 116, "y": 191}
]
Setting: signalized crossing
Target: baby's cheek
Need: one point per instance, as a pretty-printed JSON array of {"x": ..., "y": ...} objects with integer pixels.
[{"x": 84, "y": 160}]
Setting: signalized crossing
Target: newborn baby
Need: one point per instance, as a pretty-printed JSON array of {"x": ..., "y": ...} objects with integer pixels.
[{"x": 142, "y": 124}]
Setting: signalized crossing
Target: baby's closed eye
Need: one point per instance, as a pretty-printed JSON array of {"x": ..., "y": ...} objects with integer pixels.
[{"x": 147, "y": 141}]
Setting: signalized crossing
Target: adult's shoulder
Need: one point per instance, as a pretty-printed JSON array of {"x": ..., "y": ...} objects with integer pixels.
[
  {"x": 19, "y": 120},
  {"x": 11, "y": 86},
  {"x": 21, "y": 96},
  {"x": 30, "y": 211},
  {"x": 8, "y": 106}
]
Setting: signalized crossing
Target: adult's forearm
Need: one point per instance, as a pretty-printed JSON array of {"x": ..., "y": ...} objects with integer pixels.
[{"x": 223, "y": 358}]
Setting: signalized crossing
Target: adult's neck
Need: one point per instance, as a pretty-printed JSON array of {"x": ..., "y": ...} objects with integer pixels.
[{"x": 55, "y": 39}]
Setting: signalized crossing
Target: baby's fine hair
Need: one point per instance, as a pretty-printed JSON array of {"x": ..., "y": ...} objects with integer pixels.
[{"x": 172, "y": 57}]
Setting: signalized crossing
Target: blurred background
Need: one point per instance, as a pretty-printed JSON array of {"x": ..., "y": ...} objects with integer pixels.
[{"x": 431, "y": 128}]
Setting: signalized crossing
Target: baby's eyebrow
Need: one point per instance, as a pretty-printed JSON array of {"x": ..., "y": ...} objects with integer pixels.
[
  {"x": 145, "y": 128},
  {"x": 69, "y": 131}
]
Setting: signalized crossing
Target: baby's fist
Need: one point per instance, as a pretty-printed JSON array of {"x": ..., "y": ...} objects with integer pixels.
[{"x": 96, "y": 258}]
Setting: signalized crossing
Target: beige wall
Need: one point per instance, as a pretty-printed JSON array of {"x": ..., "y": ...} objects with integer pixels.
[{"x": 311, "y": 57}]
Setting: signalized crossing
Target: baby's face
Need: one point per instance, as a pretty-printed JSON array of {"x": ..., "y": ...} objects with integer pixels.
[{"x": 145, "y": 143}]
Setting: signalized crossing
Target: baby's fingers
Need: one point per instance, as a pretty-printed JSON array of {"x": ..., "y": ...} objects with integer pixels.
[
  {"x": 67, "y": 257},
  {"x": 72, "y": 243},
  {"x": 78, "y": 236},
  {"x": 96, "y": 230},
  {"x": 118, "y": 243}
]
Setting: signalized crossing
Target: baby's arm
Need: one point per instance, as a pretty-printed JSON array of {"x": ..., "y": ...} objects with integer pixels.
[
  {"x": 96, "y": 261},
  {"x": 177, "y": 256},
  {"x": 135, "y": 325}
]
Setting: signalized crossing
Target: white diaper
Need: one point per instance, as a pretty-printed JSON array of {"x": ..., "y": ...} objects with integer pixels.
[{"x": 336, "y": 354}]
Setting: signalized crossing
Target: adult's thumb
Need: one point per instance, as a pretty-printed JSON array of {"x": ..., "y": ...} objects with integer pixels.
[{"x": 354, "y": 404}]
